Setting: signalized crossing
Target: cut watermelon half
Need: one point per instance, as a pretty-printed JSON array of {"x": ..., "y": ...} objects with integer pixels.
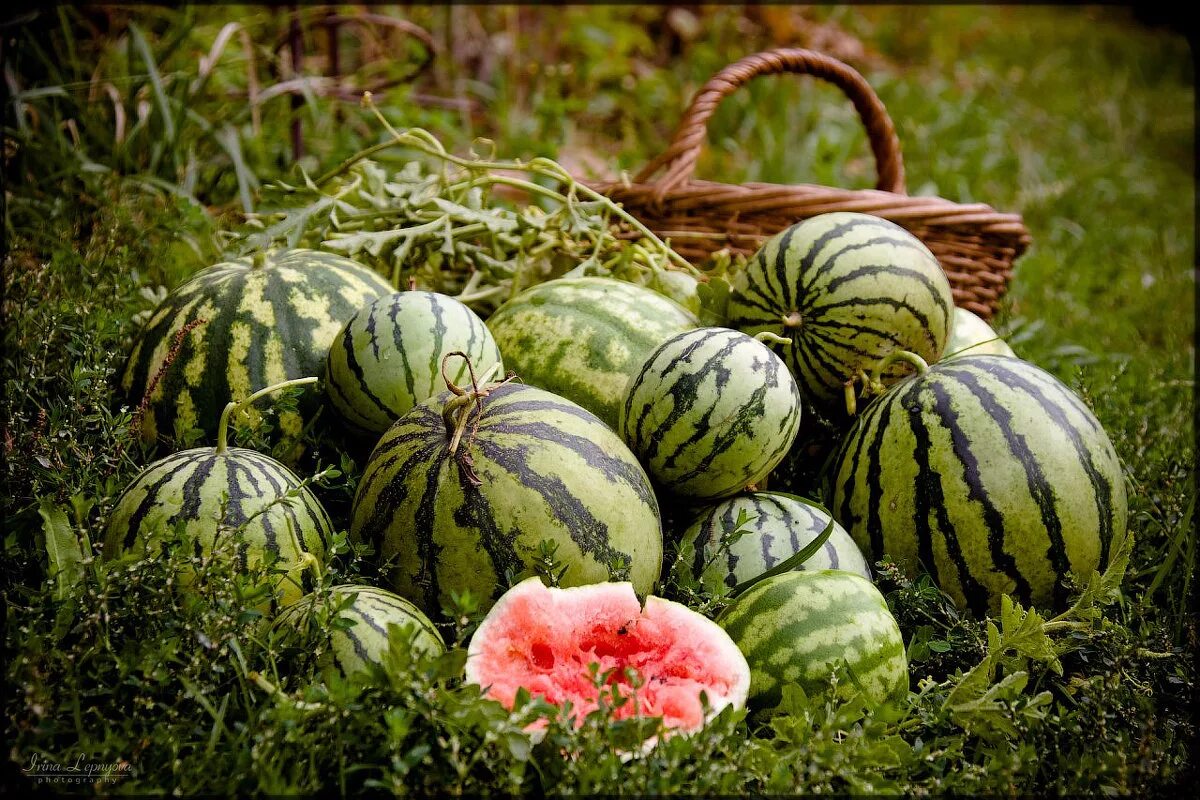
[{"x": 545, "y": 639}]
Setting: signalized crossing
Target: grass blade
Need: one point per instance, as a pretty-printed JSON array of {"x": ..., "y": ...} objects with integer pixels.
[{"x": 160, "y": 96}]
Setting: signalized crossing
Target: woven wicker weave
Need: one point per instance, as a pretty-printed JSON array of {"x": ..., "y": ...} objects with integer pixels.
[{"x": 975, "y": 244}]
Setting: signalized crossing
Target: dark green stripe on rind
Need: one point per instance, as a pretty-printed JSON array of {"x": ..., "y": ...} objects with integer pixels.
[
  {"x": 546, "y": 468},
  {"x": 987, "y": 471}
]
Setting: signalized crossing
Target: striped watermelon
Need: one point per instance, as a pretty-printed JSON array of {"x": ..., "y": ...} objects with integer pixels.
[
  {"x": 210, "y": 492},
  {"x": 782, "y": 526},
  {"x": 989, "y": 473},
  {"x": 970, "y": 335},
  {"x": 363, "y": 616},
  {"x": 710, "y": 412},
  {"x": 530, "y": 467},
  {"x": 846, "y": 289},
  {"x": 388, "y": 356},
  {"x": 249, "y": 323},
  {"x": 798, "y": 628},
  {"x": 584, "y": 338}
]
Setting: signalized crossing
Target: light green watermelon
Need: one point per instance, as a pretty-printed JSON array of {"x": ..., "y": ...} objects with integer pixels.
[
  {"x": 798, "y": 628},
  {"x": 584, "y": 338},
  {"x": 970, "y": 335}
]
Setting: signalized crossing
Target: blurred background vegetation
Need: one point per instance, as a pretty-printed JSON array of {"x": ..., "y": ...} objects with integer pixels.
[{"x": 134, "y": 135}]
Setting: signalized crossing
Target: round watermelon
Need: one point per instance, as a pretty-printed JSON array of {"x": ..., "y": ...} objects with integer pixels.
[
  {"x": 528, "y": 467},
  {"x": 584, "y": 338},
  {"x": 544, "y": 639},
  {"x": 987, "y": 472},
  {"x": 845, "y": 289},
  {"x": 212, "y": 492},
  {"x": 799, "y": 628},
  {"x": 780, "y": 526},
  {"x": 361, "y": 617},
  {"x": 237, "y": 327},
  {"x": 970, "y": 335},
  {"x": 388, "y": 357},
  {"x": 710, "y": 411}
]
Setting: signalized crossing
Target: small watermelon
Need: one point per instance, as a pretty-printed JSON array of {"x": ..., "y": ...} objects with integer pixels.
[
  {"x": 987, "y": 472},
  {"x": 210, "y": 492},
  {"x": 710, "y": 412},
  {"x": 236, "y": 327},
  {"x": 529, "y": 466},
  {"x": 363, "y": 615},
  {"x": 781, "y": 525},
  {"x": 388, "y": 357},
  {"x": 544, "y": 640},
  {"x": 970, "y": 335},
  {"x": 214, "y": 492},
  {"x": 799, "y": 628},
  {"x": 584, "y": 338},
  {"x": 845, "y": 289}
]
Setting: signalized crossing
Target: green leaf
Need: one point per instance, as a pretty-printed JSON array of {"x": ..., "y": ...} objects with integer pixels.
[
  {"x": 65, "y": 548},
  {"x": 714, "y": 301}
]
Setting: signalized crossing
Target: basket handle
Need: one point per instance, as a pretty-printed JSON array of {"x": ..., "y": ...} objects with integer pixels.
[{"x": 679, "y": 159}]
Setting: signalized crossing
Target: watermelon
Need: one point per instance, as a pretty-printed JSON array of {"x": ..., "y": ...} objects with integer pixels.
[
  {"x": 544, "y": 640},
  {"x": 529, "y": 466},
  {"x": 709, "y": 412},
  {"x": 798, "y": 628},
  {"x": 970, "y": 335},
  {"x": 987, "y": 472},
  {"x": 363, "y": 615},
  {"x": 845, "y": 289},
  {"x": 246, "y": 324},
  {"x": 781, "y": 526},
  {"x": 584, "y": 338},
  {"x": 209, "y": 492},
  {"x": 678, "y": 285},
  {"x": 388, "y": 356}
]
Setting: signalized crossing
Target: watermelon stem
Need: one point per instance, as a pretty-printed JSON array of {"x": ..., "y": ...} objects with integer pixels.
[
  {"x": 456, "y": 412},
  {"x": 770, "y": 337},
  {"x": 223, "y": 424},
  {"x": 897, "y": 355}
]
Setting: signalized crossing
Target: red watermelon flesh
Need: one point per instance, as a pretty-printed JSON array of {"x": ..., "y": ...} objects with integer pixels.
[{"x": 544, "y": 639}]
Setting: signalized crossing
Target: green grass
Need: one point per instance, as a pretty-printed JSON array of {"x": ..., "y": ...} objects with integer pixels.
[{"x": 1080, "y": 119}]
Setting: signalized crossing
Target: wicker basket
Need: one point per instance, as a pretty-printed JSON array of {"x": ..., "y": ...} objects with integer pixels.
[{"x": 975, "y": 244}]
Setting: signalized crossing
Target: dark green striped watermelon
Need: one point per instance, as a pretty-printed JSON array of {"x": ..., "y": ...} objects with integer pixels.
[
  {"x": 531, "y": 466},
  {"x": 710, "y": 412},
  {"x": 362, "y": 616},
  {"x": 388, "y": 357},
  {"x": 970, "y": 335},
  {"x": 250, "y": 323},
  {"x": 987, "y": 472},
  {"x": 782, "y": 526},
  {"x": 846, "y": 289},
  {"x": 584, "y": 338},
  {"x": 210, "y": 493},
  {"x": 798, "y": 628}
]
